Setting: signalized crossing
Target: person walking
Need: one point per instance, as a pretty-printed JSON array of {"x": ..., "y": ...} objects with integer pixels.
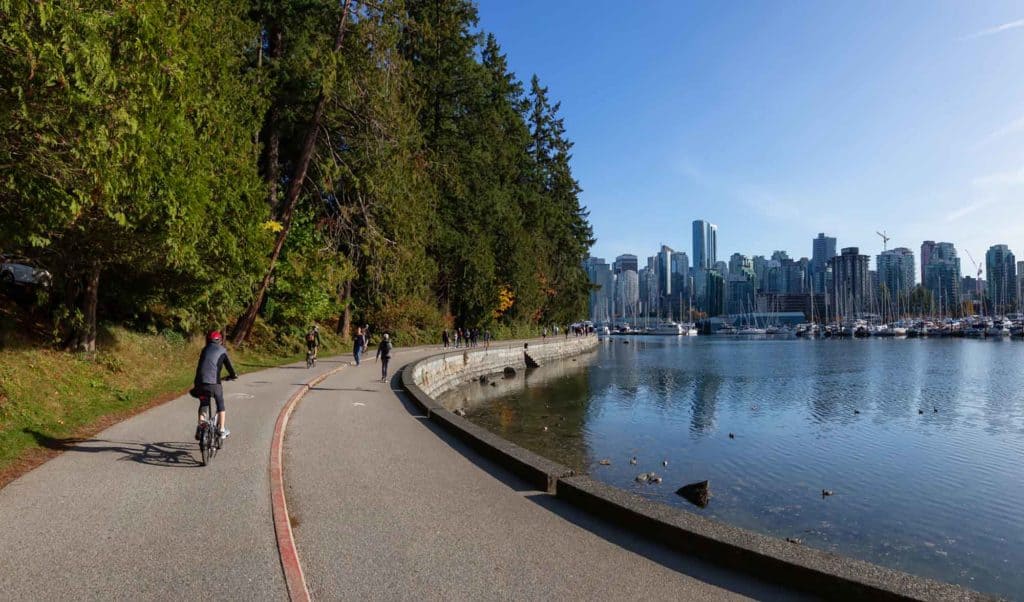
[
  {"x": 384, "y": 356},
  {"x": 444, "y": 338},
  {"x": 359, "y": 344}
]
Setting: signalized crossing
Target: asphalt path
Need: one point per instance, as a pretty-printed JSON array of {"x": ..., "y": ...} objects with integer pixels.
[
  {"x": 386, "y": 506},
  {"x": 130, "y": 513}
]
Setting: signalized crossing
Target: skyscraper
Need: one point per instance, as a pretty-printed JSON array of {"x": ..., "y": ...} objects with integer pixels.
[
  {"x": 1001, "y": 272},
  {"x": 850, "y": 283},
  {"x": 665, "y": 272},
  {"x": 824, "y": 249},
  {"x": 625, "y": 262},
  {"x": 942, "y": 276},
  {"x": 602, "y": 292},
  {"x": 895, "y": 277},
  {"x": 705, "y": 245},
  {"x": 926, "y": 255},
  {"x": 627, "y": 294}
]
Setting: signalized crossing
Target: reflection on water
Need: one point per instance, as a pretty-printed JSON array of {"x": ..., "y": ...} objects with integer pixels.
[{"x": 921, "y": 440}]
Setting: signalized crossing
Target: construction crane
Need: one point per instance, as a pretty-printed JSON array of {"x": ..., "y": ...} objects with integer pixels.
[
  {"x": 977, "y": 281},
  {"x": 885, "y": 239}
]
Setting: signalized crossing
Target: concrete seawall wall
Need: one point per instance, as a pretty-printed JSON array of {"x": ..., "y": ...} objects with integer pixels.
[{"x": 442, "y": 373}]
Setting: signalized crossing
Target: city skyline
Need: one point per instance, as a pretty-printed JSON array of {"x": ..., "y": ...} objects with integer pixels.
[{"x": 762, "y": 120}]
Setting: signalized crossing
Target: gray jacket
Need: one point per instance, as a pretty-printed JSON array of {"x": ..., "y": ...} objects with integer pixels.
[{"x": 213, "y": 357}]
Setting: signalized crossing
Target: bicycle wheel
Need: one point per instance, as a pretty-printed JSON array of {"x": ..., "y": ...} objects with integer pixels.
[{"x": 204, "y": 445}]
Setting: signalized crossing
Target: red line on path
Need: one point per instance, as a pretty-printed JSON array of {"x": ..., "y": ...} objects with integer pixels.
[{"x": 293, "y": 576}]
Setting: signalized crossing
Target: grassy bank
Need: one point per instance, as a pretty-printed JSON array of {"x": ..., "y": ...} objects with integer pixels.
[{"x": 48, "y": 395}]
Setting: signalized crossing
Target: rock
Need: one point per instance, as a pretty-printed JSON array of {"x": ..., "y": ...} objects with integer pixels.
[
  {"x": 605, "y": 462},
  {"x": 494, "y": 384},
  {"x": 483, "y": 380},
  {"x": 633, "y": 460},
  {"x": 460, "y": 412},
  {"x": 793, "y": 540},
  {"x": 509, "y": 371},
  {"x": 642, "y": 477},
  {"x": 698, "y": 493},
  {"x": 827, "y": 492}
]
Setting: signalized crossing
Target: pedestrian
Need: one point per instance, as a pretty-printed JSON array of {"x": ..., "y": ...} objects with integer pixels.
[
  {"x": 384, "y": 355},
  {"x": 456, "y": 332},
  {"x": 487, "y": 339},
  {"x": 544, "y": 333},
  {"x": 359, "y": 345},
  {"x": 444, "y": 338}
]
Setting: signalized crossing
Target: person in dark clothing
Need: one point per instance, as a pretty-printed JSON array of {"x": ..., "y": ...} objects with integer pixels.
[
  {"x": 313, "y": 341},
  {"x": 384, "y": 355},
  {"x": 444, "y": 338},
  {"x": 359, "y": 346},
  {"x": 212, "y": 359}
]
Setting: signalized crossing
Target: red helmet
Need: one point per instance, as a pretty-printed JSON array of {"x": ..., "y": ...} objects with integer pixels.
[{"x": 213, "y": 336}]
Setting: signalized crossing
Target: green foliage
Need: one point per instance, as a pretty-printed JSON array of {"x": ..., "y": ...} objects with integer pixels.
[{"x": 147, "y": 144}]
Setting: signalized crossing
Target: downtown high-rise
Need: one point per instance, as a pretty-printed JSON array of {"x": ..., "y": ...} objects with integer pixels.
[
  {"x": 1001, "y": 271},
  {"x": 824, "y": 249}
]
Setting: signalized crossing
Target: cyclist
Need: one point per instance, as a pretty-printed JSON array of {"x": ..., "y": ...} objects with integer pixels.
[
  {"x": 212, "y": 359},
  {"x": 313, "y": 341}
]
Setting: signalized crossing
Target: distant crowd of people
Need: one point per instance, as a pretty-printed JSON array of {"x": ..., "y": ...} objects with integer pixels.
[{"x": 465, "y": 337}]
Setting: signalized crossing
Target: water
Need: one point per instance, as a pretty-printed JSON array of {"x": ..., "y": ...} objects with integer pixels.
[{"x": 937, "y": 493}]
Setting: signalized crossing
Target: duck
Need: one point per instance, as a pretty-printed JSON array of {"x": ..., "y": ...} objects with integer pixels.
[
  {"x": 633, "y": 460},
  {"x": 732, "y": 436},
  {"x": 827, "y": 492},
  {"x": 664, "y": 462}
]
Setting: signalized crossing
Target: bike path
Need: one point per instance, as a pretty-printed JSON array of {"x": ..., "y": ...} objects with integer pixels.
[
  {"x": 130, "y": 513},
  {"x": 387, "y": 506}
]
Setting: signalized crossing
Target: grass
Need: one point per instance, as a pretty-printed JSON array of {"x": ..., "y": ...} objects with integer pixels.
[{"x": 48, "y": 395}]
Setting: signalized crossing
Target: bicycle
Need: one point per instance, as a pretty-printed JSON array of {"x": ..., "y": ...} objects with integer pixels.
[
  {"x": 209, "y": 435},
  {"x": 310, "y": 358}
]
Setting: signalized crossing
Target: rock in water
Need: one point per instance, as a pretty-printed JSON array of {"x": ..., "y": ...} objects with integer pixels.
[
  {"x": 698, "y": 493},
  {"x": 509, "y": 371}
]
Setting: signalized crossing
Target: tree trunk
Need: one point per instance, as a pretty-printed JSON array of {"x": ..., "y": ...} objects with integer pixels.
[
  {"x": 272, "y": 129},
  {"x": 245, "y": 323},
  {"x": 85, "y": 338},
  {"x": 345, "y": 323}
]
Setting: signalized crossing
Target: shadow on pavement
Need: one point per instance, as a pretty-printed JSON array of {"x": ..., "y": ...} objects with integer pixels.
[
  {"x": 168, "y": 454},
  {"x": 638, "y": 544}
]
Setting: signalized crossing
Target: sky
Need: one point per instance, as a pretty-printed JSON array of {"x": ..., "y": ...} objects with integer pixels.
[{"x": 778, "y": 119}]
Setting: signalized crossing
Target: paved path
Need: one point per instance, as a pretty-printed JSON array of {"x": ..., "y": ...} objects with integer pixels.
[
  {"x": 387, "y": 506},
  {"x": 130, "y": 514}
]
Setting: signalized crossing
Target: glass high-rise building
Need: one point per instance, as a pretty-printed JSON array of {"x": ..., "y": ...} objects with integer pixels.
[
  {"x": 625, "y": 262},
  {"x": 705, "y": 245},
  {"x": 849, "y": 296},
  {"x": 942, "y": 276},
  {"x": 926, "y": 256},
  {"x": 824, "y": 249},
  {"x": 602, "y": 295},
  {"x": 896, "y": 269},
  {"x": 1001, "y": 272}
]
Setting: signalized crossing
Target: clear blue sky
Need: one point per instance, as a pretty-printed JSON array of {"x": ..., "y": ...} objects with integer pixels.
[{"x": 778, "y": 120}]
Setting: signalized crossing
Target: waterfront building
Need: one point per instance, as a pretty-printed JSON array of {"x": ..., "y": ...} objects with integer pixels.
[
  {"x": 791, "y": 276},
  {"x": 771, "y": 277},
  {"x": 680, "y": 276},
  {"x": 705, "y": 245},
  {"x": 1001, "y": 272},
  {"x": 739, "y": 263},
  {"x": 823, "y": 249},
  {"x": 602, "y": 290},
  {"x": 896, "y": 270},
  {"x": 811, "y": 306},
  {"x": 850, "y": 283},
  {"x": 715, "y": 294},
  {"x": 739, "y": 292},
  {"x": 926, "y": 256},
  {"x": 942, "y": 276},
  {"x": 627, "y": 294},
  {"x": 626, "y": 262},
  {"x": 972, "y": 290},
  {"x": 664, "y": 263},
  {"x": 648, "y": 285},
  {"x": 1020, "y": 284},
  {"x": 760, "y": 263}
]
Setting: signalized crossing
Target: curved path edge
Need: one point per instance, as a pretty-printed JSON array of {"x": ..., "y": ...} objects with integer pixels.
[
  {"x": 294, "y": 578},
  {"x": 771, "y": 558}
]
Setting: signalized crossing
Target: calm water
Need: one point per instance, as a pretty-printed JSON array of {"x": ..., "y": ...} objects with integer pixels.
[{"x": 939, "y": 494}]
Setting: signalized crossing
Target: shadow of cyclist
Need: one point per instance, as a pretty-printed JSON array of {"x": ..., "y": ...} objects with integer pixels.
[{"x": 170, "y": 454}]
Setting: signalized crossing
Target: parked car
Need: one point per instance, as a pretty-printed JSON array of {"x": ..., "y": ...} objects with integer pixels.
[{"x": 21, "y": 273}]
